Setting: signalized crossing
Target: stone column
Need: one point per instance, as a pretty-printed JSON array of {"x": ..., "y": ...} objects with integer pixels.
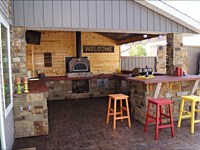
[
  {"x": 176, "y": 54},
  {"x": 18, "y": 54},
  {"x": 161, "y": 59}
]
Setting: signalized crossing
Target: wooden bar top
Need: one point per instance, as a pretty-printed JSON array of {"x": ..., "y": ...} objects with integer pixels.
[{"x": 159, "y": 79}]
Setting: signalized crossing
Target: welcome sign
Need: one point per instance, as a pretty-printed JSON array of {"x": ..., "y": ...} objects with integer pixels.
[{"x": 98, "y": 49}]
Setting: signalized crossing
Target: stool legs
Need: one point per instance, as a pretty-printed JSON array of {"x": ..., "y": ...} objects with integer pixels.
[
  {"x": 108, "y": 114},
  {"x": 157, "y": 121},
  {"x": 181, "y": 113},
  {"x": 192, "y": 117},
  {"x": 128, "y": 114},
  {"x": 160, "y": 116},
  {"x": 121, "y": 111},
  {"x": 171, "y": 120},
  {"x": 147, "y": 120},
  {"x": 114, "y": 121}
]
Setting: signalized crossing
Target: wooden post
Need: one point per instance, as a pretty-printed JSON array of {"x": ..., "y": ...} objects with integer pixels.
[
  {"x": 195, "y": 87},
  {"x": 157, "y": 90}
]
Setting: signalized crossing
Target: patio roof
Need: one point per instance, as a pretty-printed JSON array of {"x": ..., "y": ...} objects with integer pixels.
[{"x": 172, "y": 13}]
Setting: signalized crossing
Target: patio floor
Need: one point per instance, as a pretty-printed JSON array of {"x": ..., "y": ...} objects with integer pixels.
[{"x": 80, "y": 124}]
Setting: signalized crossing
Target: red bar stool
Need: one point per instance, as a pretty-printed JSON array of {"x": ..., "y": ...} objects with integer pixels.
[{"x": 158, "y": 119}]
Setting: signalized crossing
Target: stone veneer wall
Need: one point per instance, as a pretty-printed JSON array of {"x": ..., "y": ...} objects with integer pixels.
[
  {"x": 161, "y": 59},
  {"x": 34, "y": 122},
  {"x": 18, "y": 54},
  {"x": 59, "y": 90},
  {"x": 176, "y": 54}
]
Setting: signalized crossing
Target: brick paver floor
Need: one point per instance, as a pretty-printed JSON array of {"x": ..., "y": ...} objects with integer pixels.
[{"x": 81, "y": 124}]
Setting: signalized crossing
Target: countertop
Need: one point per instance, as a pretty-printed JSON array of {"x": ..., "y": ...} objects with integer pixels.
[
  {"x": 39, "y": 85},
  {"x": 36, "y": 86},
  {"x": 159, "y": 79}
]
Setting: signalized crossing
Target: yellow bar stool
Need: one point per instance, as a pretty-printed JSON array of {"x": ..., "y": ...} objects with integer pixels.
[{"x": 193, "y": 99}]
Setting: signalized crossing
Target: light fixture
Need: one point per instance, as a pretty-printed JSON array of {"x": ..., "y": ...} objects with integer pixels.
[
  {"x": 144, "y": 36},
  {"x": 159, "y": 37}
]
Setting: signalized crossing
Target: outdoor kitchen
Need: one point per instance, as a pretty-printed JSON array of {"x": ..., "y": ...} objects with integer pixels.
[
  {"x": 99, "y": 74},
  {"x": 64, "y": 66}
]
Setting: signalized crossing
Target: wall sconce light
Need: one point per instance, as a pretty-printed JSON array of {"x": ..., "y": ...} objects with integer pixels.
[
  {"x": 144, "y": 36},
  {"x": 159, "y": 37}
]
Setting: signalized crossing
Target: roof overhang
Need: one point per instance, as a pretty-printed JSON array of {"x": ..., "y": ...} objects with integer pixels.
[{"x": 172, "y": 13}]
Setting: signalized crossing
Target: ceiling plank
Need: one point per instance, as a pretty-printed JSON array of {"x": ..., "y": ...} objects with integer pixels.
[{"x": 135, "y": 38}]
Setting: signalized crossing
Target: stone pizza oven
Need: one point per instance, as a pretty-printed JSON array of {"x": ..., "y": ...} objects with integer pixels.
[{"x": 78, "y": 63}]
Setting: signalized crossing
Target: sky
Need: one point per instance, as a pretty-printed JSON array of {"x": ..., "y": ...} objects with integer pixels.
[
  {"x": 189, "y": 7},
  {"x": 192, "y": 9}
]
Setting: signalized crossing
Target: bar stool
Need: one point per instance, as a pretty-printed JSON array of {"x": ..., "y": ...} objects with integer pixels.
[
  {"x": 114, "y": 112},
  {"x": 158, "y": 119},
  {"x": 193, "y": 99}
]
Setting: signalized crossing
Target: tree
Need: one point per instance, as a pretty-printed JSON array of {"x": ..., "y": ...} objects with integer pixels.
[{"x": 137, "y": 50}]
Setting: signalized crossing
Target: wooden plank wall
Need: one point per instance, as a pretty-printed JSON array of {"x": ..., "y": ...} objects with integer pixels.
[{"x": 62, "y": 44}]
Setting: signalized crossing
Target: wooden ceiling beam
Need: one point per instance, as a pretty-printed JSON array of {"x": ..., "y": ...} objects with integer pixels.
[{"x": 134, "y": 39}]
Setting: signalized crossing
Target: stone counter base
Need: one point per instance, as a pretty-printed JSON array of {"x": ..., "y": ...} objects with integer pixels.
[
  {"x": 63, "y": 90},
  {"x": 30, "y": 115}
]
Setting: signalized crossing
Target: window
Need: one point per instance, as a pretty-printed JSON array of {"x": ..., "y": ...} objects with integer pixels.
[
  {"x": 47, "y": 59},
  {"x": 6, "y": 89}
]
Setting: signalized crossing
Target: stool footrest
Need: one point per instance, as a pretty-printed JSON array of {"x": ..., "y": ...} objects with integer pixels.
[
  {"x": 151, "y": 117},
  {"x": 124, "y": 117},
  {"x": 196, "y": 121},
  {"x": 197, "y": 110},
  {"x": 111, "y": 109},
  {"x": 185, "y": 111},
  {"x": 168, "y": 116},
  {"x": 165, "y": 126},
  {"x": 186, "y": 116},
  {"x": 118, "y": 113},
  {"x": 124, "y": 108}
]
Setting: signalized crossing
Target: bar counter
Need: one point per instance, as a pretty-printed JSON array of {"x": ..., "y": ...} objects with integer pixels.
[
  {"x": 169, "y": 87},
  {"x": 159, "y": 79}
]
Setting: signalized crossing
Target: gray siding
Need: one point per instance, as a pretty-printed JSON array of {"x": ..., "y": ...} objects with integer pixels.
[
  {"x": 129, "y": 63},
  {"x": 4, "y": 9},
  {"x": 9, "y": 130},
  {"x": 104, "y": 15},
  {"x": 193, "y": 60}
]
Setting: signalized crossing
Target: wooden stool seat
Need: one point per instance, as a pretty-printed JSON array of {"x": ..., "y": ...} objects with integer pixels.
[
  {"x": 113, "y": 111},
  {"x": 189, "y": 114},
  {"x": 158, "y": 119}
]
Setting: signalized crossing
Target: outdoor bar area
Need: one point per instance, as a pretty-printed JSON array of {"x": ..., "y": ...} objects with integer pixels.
[{"x": 85, "y": 76}]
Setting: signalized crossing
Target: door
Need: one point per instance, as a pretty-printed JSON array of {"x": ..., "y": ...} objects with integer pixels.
[{"x": 6, "y": 98}]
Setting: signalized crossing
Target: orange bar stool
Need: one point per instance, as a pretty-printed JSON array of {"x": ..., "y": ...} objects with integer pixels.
[
  {"x": 158, "y": 119},
  {"x": 193, "y": 99},
  {"x": 111, "y": 111}
]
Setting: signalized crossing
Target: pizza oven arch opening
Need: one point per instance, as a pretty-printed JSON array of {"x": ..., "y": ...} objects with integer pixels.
[{"x": 80, "y": 67}]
